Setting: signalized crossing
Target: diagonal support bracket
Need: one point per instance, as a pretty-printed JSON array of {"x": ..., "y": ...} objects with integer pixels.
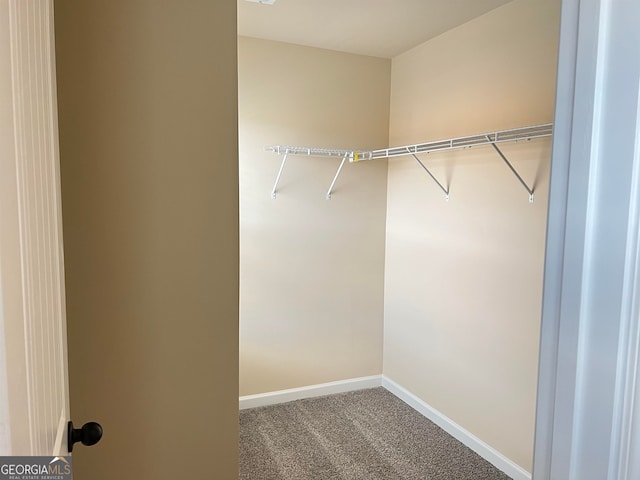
[
  {"x": 445, "y": 190},
  {"x": 275, "y": 185},
  {"x": 513, "y": 170},
  {"x": 344, "y": 159}
]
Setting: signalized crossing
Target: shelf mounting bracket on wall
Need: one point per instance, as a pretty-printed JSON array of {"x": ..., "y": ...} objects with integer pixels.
[
  {"x": 344, "y": 159},
  {"x": 511, "y": 167},
  {"x": 445, "y": 190},
  {"x": 309, "y": 152},
  {"x": 275, "y": 185}
]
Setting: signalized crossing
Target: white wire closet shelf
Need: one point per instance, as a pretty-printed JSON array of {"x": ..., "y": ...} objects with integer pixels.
[{"x": 490, "y": 138}]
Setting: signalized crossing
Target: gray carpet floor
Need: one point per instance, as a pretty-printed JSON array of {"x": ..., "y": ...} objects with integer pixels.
[{"x": 364, "y": 435}]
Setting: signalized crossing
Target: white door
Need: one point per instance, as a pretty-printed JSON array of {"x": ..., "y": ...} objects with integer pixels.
[{"x": 34, "y": 401}]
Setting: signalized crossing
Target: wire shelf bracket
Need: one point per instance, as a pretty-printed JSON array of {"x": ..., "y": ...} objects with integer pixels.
[
  {"x": 309, "y": 152},
  {"x": 513, "y": 170},
  {"x": 445, "y": 190},
  {"x": 275, "y": 185},
  {"x": 344, "y": 159}
]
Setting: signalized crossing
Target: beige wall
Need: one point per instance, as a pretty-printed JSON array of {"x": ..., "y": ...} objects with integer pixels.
[
  {"x": 311, "y": 268},
  {"x": 147, "y": 108},
  {"x": 463, "y": 279}
]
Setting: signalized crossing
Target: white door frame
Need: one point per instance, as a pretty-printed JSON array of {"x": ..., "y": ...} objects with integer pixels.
[
  {"x": 588, "y": 423},
  {"x": 33, "y": 357}
]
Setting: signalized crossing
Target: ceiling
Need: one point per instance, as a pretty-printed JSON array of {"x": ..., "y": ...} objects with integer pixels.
[{"x": 379, "y": 28}]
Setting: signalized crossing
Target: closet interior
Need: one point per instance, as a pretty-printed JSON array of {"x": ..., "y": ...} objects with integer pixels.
[{"x": 423, "y": 273}]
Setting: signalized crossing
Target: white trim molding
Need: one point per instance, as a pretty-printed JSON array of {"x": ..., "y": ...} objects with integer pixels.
[
  {"x": 289, "y": 395},
  {"x": 456, "y": 431},
  {"x": 31, "y": 260},
  {"x": 626, "y": 420},
  {"x": 586, "y": 426}
]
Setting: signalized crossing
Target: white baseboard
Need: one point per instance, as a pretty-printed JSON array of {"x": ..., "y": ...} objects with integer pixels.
[
  {"x": 282, "y": 396},
  {"x": 456, "y": 431},
  {"x": 464, "y": 436}
]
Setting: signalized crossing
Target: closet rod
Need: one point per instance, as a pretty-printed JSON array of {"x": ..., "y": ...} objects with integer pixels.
[
  {"x": 512, "y": 135},
  {"x": 308, "y": 152}
]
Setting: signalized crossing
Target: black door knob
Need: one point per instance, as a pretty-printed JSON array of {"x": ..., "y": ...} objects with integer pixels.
[{"x": 89, "y": 434}]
